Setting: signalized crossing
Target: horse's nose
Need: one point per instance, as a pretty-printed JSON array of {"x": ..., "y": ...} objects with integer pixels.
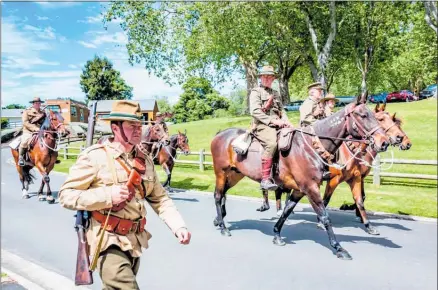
[
  {"x": 408, "y": 146},
  {"x": 385, "y": 145},
  {"x": 399, "y": 139}
]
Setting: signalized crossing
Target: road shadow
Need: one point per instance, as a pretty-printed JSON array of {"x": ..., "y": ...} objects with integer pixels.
[
  {"x": 305, "y": 231},
  {"x": 185, "y": 199},
  {"x": 35, "y": 195}
]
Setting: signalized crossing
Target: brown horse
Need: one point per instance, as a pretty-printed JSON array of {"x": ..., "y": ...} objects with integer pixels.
[
  {"x": 300, "y": 168},
  {"x": 356, "y": 168},
  {"x": 360, "y": 166},
  {"x": 43, "y": 154},
  {"x": 166, "y": 154}
]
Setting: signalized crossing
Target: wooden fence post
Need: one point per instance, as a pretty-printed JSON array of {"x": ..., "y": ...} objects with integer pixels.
[
  {"x": 376, "y": 173},
  {"x": 201, "y": 159},
  {"x": 66, "y": 148},
  {"x": 65, "y": 153}
]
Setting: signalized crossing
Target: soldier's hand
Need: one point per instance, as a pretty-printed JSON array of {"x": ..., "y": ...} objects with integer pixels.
[
  {"x": 183, "y": 236},
  {"x": 119, "y": 194},
  {"x": 278, "y": 123}
]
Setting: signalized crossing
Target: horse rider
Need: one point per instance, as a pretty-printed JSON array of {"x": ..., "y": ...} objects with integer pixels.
[
  {"x": 328, "y": 103},
  {"x": 156, "y": 146},
  {"x": 32, "y": 118},
  {"x": 269, "y": 116},
  {"x": 98, "y": 181},
  {"x": 314, "y": 108}
]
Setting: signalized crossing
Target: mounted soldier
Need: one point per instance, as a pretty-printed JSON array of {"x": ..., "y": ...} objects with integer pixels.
[
  {"x": 328, "y": 103},
  {"x": 269, "y": 116},
  {"x": 32, "y": 118},
  {"x": 311, "y": 109}
]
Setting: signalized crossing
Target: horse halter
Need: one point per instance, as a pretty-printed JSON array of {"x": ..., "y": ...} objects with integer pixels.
[{"x": 356, "y": 126}]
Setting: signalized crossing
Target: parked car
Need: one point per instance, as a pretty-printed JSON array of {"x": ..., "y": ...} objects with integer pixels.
[
  {"x": 345, "y": 100},
  {"x": 428, "y": 92},
  {"x": 293, "y": 106},
  {"x": 402, "y": 96},
  {"x": 378, "y": 98}
]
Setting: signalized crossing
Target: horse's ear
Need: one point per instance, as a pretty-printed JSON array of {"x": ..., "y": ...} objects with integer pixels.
[
  {"x": 185, "y": 131},
  {"x": 393, "y": 116},
  {"x": 363, "y": 98},
  {"x": 377, "y": 108},
  {"x": 383, "y": 107},
  {"x": 179, "y": 132}
]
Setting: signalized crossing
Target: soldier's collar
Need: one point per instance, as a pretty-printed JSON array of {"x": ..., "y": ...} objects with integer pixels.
[{"x": 119, "y": 150}]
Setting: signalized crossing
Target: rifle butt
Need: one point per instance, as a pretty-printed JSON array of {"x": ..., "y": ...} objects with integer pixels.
[{"x": 83, "y": 274}]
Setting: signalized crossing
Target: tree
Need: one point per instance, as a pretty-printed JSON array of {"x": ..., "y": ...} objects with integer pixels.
[
  {"x": 431, "y": 16},
  {"x": 163, "y": 104},
  {"x": 14, "y": 106},
  {"x": 198, "y": 101},
  {"x": 100, "y": 81}
]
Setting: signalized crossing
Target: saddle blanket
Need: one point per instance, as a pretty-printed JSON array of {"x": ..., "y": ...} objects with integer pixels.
[{"x": 15, "y": 143}]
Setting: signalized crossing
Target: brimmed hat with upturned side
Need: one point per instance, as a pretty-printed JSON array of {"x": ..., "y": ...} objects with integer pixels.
[
  {"x": 268, "y": 70},
  {"x": 329, "y": 96},
  {"x": 36, "y": 100},
  {"x": 125, "y": 111}
]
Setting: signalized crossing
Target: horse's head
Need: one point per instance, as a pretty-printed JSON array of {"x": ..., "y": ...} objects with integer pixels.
[
  {"x": 390, "y": 124},
  {"x": 362, "y": 124},
  {"x": 183, "y": 142},
  {"x": 54, "y": 122},
  {"x": 156, "y": 133}
]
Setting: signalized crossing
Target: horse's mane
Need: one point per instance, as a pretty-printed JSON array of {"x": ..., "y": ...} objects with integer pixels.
[
  {"x": 397, "y": 121},
  {"x": 231, "y": 128},
  {"x": 46, "y": 123}
]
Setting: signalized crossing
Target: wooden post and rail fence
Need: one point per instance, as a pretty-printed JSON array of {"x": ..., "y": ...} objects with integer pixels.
[{"x": 202, "y": 163}]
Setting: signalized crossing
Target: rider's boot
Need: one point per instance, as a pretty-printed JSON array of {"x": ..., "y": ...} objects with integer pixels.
[
  {"x": 267, "y": 182},
  {"x": 21, "y": 153}
]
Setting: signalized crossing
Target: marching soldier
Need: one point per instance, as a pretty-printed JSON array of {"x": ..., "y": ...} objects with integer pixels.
[
  {"x": 269, "y": 116},
  {"x": 32, "y": 118},
  {"x": 100, "y": 182}
]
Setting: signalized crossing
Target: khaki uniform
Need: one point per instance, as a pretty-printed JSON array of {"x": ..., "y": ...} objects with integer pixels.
[
  {"x": 307, "y": 110},
  {"x": 327, "y": 112},
  {"x": 32, "y": 121},
  {"x": 263, "y": 132},
  {"x": 89, "y": 186}
]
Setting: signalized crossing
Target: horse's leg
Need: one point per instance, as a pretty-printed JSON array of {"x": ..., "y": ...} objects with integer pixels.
[
  {"x": 329, "y": 190},
  {"x": 170, "y": 165},
  {"x": 362, "y": 188},
  {"x": 288, "y": 209},
  {"x": 41, "y": 197},
  {"x": 265, "y": 203},
  {"x": 50, "y": 198},
  {"x": 219, "y": 198},
  {"x": 24, "y": 183},
  {"x": 317, "y": 204},
  {"x": 356, "y": 189},
  {"x": 166, "y": 169}
]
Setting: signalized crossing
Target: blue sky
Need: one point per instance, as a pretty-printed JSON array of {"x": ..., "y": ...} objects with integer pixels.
[{"x": 44, "y": 46}]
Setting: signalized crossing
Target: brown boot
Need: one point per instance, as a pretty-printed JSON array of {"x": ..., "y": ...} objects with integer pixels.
[
  {"x": 21, "y": 153},
  {"x": 266, "y": 182}
]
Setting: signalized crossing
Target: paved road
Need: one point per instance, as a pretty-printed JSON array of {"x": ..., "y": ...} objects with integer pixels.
[{"x": 404, "y": 256}]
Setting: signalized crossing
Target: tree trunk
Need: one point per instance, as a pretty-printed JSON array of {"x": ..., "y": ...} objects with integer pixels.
[
  {"x": 251, "y": 80},
  {"x": 313, "y": 69},
  {"x": 363, "y": 86},
  {"x": 284, "y": 89}
]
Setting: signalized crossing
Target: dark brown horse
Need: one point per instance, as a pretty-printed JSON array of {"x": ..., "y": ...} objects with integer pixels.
[
  {"x": 300, "y": 168},
  {"x": 359, "y": 166},
  {"x": 43, "y": 154},
  {"x": 166, "y": 154},
  {"x": 356, "y": 167}
]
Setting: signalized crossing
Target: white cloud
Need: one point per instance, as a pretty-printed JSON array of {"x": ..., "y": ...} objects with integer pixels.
[
  {"x": 7, "y": 83},
  {"x": 43, "y": 33},
  {"x": 49, "y": 74},
  {"x": 92, "y": 19},
  {"x": 87, "y": 44},
  {"x": 42, "y": 18},
  {"x": 16, "y": 42},
  {"x": 118, "y": 37},
  {"x": 58, "y": 4},
  {"x": 26, "y": 63},
  {"x": 72, "y": 66}
]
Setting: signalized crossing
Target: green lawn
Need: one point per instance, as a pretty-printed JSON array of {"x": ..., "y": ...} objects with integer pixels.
[{"x": 395, "y": 195}]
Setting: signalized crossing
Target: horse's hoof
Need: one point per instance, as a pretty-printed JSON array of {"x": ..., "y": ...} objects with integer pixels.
[
  {"x": 279, "y": 212},
  {"x": 41, "y": 198},
  {"x": 26, "y": 196},
  {"x": 343, "y": 254},
  {"x": 50, "y": 199},
  {"x": 320, "y": 226},
  {"x": 215, "y": 223},
  {"x": 263, "y": 208},
  {"x": 225, "y": 232},
  {"x": 278, "y": 241},
  {"x": 372, "y": 231}
]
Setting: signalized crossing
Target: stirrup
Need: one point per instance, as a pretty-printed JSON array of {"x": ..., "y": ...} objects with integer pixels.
[{"x": 21, "y": 161}]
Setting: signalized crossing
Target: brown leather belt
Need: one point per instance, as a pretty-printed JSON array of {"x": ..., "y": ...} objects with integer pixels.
[{"x": 118, "y": 225}]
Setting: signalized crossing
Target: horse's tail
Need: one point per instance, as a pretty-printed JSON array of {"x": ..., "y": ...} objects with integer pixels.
[{"x": 27, "y": 176}]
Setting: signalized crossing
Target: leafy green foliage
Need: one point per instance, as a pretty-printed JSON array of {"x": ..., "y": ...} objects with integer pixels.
[
  {"x": 100, "y": 81},
  {"x": 163, "y": 104},
  {"x": 4, "y": 123},
  {"x": 198, "y": 101},
  {"x": 14, "y": 106}
]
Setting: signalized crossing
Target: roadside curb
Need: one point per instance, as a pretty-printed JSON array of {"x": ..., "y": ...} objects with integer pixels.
[
  {"x": 37, "y": 277},
  {"x": 302, "y": 205}
]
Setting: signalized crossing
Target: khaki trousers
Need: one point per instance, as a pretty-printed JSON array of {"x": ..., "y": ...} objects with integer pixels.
[
  {"x": 267, "y": 136},
  {"x": 118, "y": 269},
  {"x": 25, "y": 139}
]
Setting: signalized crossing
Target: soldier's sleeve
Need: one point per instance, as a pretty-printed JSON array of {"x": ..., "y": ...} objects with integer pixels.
[
  {"x": 164, "y": 207},
  {"x": 76, "y": 193},
  {"x": 255, "y": 107},
  {"x": 26, "y": 124}
]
